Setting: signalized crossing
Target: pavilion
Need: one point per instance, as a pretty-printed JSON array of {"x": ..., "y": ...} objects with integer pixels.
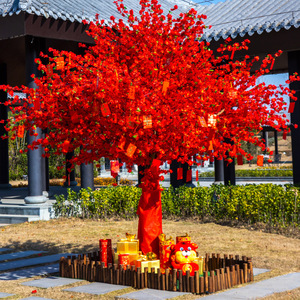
[{"x": 30, "y": 26}]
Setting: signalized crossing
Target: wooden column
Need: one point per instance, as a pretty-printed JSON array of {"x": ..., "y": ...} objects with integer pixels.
[
  {"x": 294, "y": 66},
  {"x": 4, "y": 170},
  {"x": 35, "y": 161},
  {"x": 87, "y": 176},
  {"x": 219, "y": 170}
]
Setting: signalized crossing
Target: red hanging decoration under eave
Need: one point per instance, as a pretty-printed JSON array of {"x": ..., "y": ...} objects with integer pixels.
[
  {"x": 197, "y": 175},
  {"x": 189, "y": 175},
  {"x": 179, "y": 173},
  {"x": 291, "y": 107}
]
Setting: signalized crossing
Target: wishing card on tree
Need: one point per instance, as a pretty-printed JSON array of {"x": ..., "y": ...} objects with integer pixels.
[
  {"x": 165, "y": 86},
  {"x": 105, "y": 110},
  {"x": 130, "y": 150},
  {"x": 131, "y": 94},
  {"x": 147, "y": 122},
  {"x": 60, "y": 63},
  {"x": 210, "y": 146},
  {"x": 122, "y": 143},
  {"x": 212, "y": 121},
  {"x": 202, "y": 121}
]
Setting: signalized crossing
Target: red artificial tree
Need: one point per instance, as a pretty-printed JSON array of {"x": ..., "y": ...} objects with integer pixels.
[{"x": 149, "y": 90}]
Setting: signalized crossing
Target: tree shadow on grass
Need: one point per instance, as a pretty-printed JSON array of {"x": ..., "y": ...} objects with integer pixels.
[{"x": 49, "y": 247}]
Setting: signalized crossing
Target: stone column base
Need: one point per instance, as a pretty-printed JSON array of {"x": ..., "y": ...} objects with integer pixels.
[{"x": 35, "y": 200}]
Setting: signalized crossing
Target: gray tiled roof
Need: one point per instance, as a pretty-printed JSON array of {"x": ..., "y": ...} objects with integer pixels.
[
  {"x": 78, "y": 10},
  {"x": 241, "y": 17},
  {"x": 230, "y": 18}
]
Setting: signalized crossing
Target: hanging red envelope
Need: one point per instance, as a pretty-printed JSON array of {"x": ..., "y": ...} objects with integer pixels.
[
  {"x": 131, "y": 94},
  {"x": 291, "y": 107},
  {"x": 20, "y": 131},
  {"x": 197, "y": 175},
  {"x": 114, "y": 168},
  {"x": 147, "y": 122},
  {"x": 188, "y": 175},
  {"x": 130, "y": 150},
  {"x": 202, "y": 121},
  {"x": 240, "y": 160},
  {"x": 179, "y": 173},
  {"x": 105, "y": 110},
  {"x": 260, "y": 160}
]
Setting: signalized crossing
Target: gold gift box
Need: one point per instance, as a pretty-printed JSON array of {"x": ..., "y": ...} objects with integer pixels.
[
  {"x": 199, "y": 260},
  {"x": 127, "y": 247},
  {"x": 132, "y": 257},
  {"x": 140, "y": 263}
]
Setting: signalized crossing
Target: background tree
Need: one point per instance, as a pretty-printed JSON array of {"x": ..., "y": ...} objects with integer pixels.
[{"x": 149, "y": 90}]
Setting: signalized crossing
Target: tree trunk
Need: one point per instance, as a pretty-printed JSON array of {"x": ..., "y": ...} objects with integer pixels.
[{"x": 150, "y": 211}]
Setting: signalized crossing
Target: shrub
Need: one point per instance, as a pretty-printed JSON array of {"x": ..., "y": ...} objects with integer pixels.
[
  {"x": 268, "y": 203},
  {"x": 259, "y": 172}
]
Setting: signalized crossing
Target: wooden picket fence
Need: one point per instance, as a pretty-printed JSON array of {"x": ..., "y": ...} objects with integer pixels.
[{"x": 220, "y": 273}]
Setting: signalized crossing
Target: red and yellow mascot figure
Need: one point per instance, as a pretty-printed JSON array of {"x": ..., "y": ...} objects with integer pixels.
[{"x": 184, "y": 255}]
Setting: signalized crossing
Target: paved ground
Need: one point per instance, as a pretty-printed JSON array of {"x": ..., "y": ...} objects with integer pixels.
[{"x": 37, "y": 264}]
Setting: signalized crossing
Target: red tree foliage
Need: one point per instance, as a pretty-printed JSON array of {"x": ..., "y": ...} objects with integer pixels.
[{"x": 150, "y": 90}]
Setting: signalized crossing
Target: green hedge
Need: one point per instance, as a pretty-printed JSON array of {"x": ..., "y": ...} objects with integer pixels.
[
  {"x": 266, "y": 172},
  {"x": 268, "y": 203}
]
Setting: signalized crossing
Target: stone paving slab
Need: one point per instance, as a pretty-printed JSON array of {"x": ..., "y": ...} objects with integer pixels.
[
  {"x": 260, "y": 289},
  {"x": 20, "y": 254},
  {"x": 30, "y": 272},
  {"x": 4, "y": 249},
  {"x": 97, "y": 288},
  {"x": 31, "y": 261},
  {"x": 50, "y": 282},
  {"x": 4, "y": 295},
  {"x": 257, "y": 271},
  {"x": 151, "y": 294}
]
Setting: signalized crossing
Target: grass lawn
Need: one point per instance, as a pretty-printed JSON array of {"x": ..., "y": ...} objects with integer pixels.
[{"x": 272, "y": 251}]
